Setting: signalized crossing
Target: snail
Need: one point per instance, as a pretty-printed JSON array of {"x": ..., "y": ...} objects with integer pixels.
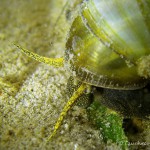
[{"x": 107, "y": 47}]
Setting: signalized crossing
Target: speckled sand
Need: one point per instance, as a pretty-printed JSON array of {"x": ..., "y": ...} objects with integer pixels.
[
  {"x": 28, "y": 114},
  {"x": 31, "y": 104}
]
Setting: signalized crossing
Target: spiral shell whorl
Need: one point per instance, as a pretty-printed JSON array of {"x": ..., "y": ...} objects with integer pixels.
[{"x": 106, "y": 40}]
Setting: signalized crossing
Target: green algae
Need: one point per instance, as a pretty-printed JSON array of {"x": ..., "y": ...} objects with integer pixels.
[{"x": 109, "y": 123}]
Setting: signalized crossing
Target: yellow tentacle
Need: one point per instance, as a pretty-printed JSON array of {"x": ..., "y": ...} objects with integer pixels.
[
  {"x": 57, "y": 62},
  {"x": 66, "y": 108}
]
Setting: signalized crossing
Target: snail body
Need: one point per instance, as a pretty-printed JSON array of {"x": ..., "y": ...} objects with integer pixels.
[
  {"x": 106, "y": 44},
  {"x": 106, "y": 41}
]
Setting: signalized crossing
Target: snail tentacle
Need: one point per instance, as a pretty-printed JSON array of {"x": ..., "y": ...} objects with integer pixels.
[
  {"x": 67, "y": 107},
  {"x": 56, "y": 62}
]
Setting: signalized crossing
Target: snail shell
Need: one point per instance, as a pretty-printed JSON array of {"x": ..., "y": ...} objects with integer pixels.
[{"x": 106, "y": 40}]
